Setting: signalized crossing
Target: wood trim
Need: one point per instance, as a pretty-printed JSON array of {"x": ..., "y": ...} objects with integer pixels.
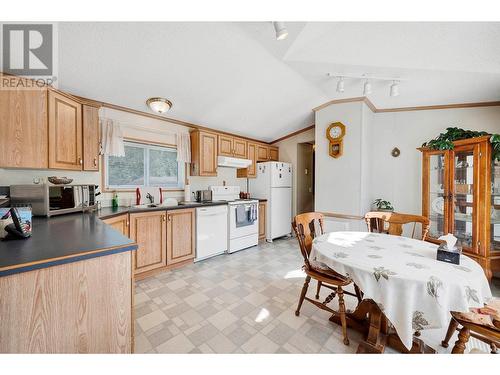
[
  {"x": 374, "y": 109},
  {"x": 147, "y": 142},
  {"x": 293, "y": 134},
  {"x": 342, "y": 216}
]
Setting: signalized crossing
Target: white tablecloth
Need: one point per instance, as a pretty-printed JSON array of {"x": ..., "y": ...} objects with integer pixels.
[{"x": 402, "y": 275}]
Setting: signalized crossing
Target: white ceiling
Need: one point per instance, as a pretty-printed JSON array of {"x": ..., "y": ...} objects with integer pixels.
[{"x": 236, "y": 77}]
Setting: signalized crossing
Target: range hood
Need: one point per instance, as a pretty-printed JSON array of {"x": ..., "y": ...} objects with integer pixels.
[{"x": 224, "y": 161}]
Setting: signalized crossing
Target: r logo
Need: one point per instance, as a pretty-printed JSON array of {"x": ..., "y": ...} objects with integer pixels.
[{"x": 27, "y": 49}]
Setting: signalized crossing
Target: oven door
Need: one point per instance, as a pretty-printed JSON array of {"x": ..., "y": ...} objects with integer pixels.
[{"x": 240, "y": 227}]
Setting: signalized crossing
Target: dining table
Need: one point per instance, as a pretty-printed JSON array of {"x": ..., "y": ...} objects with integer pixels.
[{"x": 405, "y": 288}]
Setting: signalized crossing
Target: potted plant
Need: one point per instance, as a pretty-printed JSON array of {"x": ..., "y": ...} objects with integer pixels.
[{"x": 383, "y": 205}]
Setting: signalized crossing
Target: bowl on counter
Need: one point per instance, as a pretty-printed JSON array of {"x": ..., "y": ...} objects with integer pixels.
[{"x": 60, "y": 180}]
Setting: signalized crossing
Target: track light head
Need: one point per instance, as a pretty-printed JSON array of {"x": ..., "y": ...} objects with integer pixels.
[
  {"x": 280, "y": 29},
  {"x": 341, "y": 85},
  {"x": 367, "y": 88},
  {"x": 394, "y": 91}
]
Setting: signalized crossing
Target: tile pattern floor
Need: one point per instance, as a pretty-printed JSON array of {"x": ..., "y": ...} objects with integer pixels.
[{"x": 238, "y": 303}]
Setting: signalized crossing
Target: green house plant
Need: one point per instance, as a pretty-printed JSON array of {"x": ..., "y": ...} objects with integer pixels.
[{"x": 383, "y": 205}]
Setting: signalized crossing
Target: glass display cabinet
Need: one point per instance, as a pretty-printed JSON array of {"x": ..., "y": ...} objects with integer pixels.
[{"x": 461, "y": 195}]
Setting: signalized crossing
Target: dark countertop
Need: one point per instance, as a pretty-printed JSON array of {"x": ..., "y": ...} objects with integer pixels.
[
  {"x": 108, "y": 212},
  {"x": 62, "y": 239}
]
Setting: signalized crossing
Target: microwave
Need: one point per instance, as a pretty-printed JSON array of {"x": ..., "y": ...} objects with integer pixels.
[{"x": 50, "y": 200}]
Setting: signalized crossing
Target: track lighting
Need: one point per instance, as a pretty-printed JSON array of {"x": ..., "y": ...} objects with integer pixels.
[
  {"x": 280, "y": 29},
  {"x": 367, "y": 88},
  {"x": 340, "y": 85},
  {"x": 394, "y": 88}
]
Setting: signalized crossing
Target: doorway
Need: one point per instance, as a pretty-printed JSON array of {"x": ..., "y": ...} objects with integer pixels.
[{"x": 305, "y": 177}]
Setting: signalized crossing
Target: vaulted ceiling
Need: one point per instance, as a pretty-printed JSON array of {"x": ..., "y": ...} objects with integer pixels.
[{"x": 236, "y": 77}]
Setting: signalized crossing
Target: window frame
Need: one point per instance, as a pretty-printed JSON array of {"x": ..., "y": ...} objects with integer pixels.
[{"x": 181, "y": 170}]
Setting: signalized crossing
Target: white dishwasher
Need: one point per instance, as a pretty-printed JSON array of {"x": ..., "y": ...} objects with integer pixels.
[{"x": 211, "y": 231}]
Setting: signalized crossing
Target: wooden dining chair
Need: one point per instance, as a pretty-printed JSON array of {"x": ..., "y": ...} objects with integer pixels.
[
  {"x": 392, "y": 223},
  {"x": 306, "y": 227}
]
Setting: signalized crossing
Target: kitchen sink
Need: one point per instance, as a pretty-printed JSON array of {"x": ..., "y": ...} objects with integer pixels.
[{"x": 151, "y": 205}]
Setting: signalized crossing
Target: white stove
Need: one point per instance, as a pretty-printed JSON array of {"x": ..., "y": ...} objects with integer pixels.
[{"x": 243, "y": 218}]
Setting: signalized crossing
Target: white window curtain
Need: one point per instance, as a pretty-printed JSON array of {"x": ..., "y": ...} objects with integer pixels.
[
  {"x": 112, "y": 138},
  {"x": 183, "y": 147}
]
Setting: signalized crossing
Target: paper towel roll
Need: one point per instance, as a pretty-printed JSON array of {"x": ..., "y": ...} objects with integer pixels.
[{"x": 187, "y": 193}]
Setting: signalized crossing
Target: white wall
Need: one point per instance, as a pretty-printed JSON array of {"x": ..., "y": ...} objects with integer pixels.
[
  {"x": 288, "y": 153},
  {"x": 367, "y": 170}
]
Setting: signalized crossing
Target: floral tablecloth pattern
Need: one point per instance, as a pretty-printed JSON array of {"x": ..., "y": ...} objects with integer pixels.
[{"x": 414, "y": 290}]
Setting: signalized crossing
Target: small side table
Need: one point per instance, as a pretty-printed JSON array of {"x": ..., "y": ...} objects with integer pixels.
[{"x": 486, "y": 334}]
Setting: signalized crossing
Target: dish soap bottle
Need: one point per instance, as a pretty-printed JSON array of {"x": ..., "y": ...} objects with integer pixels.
[{"x": 114, "y": 201}]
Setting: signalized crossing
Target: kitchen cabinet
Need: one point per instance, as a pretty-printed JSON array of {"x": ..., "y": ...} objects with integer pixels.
[
  {"x": 149, "y": 231},
  {"x": 267, "y": 153},
  {"x": 232, "y": 146},
  {"x": 23, "y": 124},
  {"x": 181, "y": 235},
  {"x": 461, "y": 195},
  {"x": 262, "y": 220},
  {"x": 90, "y": 118},
  {"x": 274, "y": 154},
  {"x": 203, "y": 153},
  {"x": 251, "y": 170},
  {"x": 120, "y": 223},
  {"x": 65, "y": 132}
]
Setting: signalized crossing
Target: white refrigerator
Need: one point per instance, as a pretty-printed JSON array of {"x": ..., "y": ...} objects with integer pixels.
[{"x": 274, "y": 183}]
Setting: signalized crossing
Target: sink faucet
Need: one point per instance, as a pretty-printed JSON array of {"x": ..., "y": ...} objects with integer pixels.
[{"x": 150, "y": 198}]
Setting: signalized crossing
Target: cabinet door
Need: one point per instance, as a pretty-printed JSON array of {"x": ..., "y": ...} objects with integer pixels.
[
  {"x": 251, "y": 171},
  {"x": 225, "y": 145},
  {"x": 435, "y": 190},
  {"x": 65, "y": 132},
  {"x": 274, "y": 154},
  {"x": 90, "y": 138},
  {"x": 262, "y": 153},
  {"x": 239, "y": 148},
  {"x": 262, "y": 220},
  {"x": 181, "y": 233},
  {"x": 148, "y": 229},
  {"x": 120, "y": 223},
  {"x": 23, "y": 125},
  {"x": 208, "y": 152},
  {"x": 464, "y": 209}
]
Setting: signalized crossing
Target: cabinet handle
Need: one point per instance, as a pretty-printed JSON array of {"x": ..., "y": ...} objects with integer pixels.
[
  {"x": 80, "y": 160},
  {"x": 168, "y": 218},
  {"x": 95, "y": 162},
  {"x": 163, "y": 218}
]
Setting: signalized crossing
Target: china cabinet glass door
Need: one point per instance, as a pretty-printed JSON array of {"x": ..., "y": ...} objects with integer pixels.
[
  {"x": 438, "y": 194},
  {"x": 463, "y": 195},
  {"x": 495, "y": 206}
]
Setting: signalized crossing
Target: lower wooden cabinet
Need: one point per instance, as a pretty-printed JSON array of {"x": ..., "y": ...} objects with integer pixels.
[
  {"x": 262, "y": 220},
  {"x": 148, "y": 229},
  {"x": 120, "y": 223},
  {"x": 181, "y": 235}
]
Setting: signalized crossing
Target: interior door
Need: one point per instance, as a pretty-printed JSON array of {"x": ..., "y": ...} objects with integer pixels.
[
  {"x": 436, "y": 191},
  {"x": 464, "y": 192}
]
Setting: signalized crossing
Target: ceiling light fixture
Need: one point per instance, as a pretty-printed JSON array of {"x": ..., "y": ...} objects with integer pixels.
[
  {"x": 280, "y": 29},
  {"x": 367, "y": 88},
  {"x": 159, "y": 105},
  {"x": 394, "y": 88},
  {"x": 341, "y": 85}
]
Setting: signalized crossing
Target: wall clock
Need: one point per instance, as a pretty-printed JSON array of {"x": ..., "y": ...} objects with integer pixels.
[{"x": 335, "y": 134}]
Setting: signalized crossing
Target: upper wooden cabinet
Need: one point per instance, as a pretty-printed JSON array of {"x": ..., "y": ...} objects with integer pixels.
[
  {"x": 23, "y": 125},
  {"x": 90, "y": 138},
  {"x": 232, "y": 147},
  {"x": 148, "y": 229},
  {"x": 181, "y": 232},
  {"x": 267, "y": 153},
  {"x": 203, "y": 153},
  {"x": 65, "y": 132},
  {"x": 251, "y": 171}
]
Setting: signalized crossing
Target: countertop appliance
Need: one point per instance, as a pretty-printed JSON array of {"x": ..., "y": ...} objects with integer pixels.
[
  {"x": 243, "y": 217},
  {"x": 50, "y": 200},
  {"x": 274, "y": 183},
  {"x": 203, "y": 195},
  {"x": 211, "y": 231}
]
